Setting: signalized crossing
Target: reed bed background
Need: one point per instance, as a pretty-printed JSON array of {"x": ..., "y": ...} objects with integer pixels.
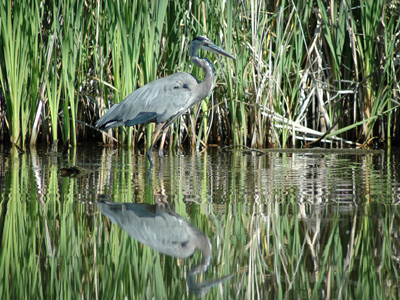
[{"x": 304, "y": 70}]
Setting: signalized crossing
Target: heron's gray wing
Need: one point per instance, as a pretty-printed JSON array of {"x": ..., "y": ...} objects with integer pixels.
[
  {"x": 157, "y": 101},
  {"x": 154, "y": 226}
]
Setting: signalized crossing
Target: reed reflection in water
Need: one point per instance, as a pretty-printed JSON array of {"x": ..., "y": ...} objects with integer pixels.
[
  {"x": 158, "y": 227},
  {"x": 287, "y": 225}
]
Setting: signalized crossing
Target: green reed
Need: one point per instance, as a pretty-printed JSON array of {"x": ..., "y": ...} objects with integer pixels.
[
  {"x": 72, "y": 38},
  {"x": 127, "y": 49},
  {"x": 36, "y": 64},
  {"x": 16, "y": 55},
  {"x": 152, "y": 37},
  {"x": 53, "y": 84}
]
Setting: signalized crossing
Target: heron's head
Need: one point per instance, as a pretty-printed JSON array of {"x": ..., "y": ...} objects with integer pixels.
[{"x": 201, "y": 42}]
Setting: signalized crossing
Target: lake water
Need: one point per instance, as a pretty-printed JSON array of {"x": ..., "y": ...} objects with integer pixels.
[{"x": 294, "y": 225}]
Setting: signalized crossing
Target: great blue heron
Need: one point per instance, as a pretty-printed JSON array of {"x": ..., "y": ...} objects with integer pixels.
[{"x": 163, "y": 100}]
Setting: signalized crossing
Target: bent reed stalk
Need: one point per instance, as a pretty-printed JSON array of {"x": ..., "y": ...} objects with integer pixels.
[{"x": 303, "y": 70}]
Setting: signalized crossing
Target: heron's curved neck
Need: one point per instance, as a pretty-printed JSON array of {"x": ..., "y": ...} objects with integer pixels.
[
  {"x": 203, "y": 243},
  {"x": 208, "y": 81}
]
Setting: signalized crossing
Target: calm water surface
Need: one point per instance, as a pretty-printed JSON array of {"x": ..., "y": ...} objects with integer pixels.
[{"x": 96, "y": 223}]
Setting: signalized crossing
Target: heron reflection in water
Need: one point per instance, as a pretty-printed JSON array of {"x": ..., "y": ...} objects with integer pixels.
[
  {"x": 163, "y": 100},
  {"x": 158, "y": 227}
]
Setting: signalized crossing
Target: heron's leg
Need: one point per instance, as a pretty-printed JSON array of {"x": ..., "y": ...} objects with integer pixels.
[
  {"x": 156, "y": 135},
  {"x": 161, "y": 150},
  {"x": 150, "y": 157}
]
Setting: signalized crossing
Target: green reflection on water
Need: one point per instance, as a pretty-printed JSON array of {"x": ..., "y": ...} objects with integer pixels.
[{"x": 287, "y": 225}]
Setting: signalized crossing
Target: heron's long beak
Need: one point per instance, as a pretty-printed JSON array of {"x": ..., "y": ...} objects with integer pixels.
[{"x": 217, "y": 50}]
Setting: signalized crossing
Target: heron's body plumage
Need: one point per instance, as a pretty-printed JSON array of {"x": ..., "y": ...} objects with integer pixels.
[{"x": 159, "y": 101}]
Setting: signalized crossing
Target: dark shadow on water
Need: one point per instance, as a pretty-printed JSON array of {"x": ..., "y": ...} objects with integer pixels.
[{"x": 158, "y": 227}]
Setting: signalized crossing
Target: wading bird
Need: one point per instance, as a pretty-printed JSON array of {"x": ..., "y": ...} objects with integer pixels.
[{"x": 163, "y": 100}]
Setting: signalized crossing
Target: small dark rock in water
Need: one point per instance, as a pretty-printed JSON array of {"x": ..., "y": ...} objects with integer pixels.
[{"x": 74, "y": 171}]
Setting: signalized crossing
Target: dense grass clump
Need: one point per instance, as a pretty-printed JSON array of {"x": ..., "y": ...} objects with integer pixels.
[{"x": 305, "y": 72}]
